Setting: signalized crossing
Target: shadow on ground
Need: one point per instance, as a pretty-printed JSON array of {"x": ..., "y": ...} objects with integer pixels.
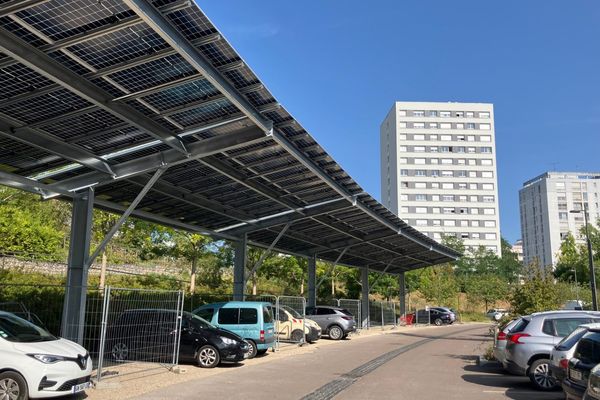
[{"x": 494, "y": 379}]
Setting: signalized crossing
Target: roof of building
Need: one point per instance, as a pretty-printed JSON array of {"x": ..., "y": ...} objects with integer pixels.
[{"x": 103, "y": 94}]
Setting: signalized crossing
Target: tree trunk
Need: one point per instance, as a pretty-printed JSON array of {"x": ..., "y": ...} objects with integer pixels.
[
  {"x": 103, "y": 271},
  {"x": 302, "y": 288},
  {"x": 193, "y": 275},
  {"x": 332, "y": 286},
  {"x": 254, "y": 284}
]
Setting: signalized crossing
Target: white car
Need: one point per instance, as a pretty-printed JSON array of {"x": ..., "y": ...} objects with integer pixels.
[
  {"x": 496, "y": 314},
  {"x": 36, "y": 364}
]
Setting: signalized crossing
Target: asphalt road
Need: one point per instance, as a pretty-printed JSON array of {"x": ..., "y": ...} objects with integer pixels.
[{"x": 433, "y": 363}]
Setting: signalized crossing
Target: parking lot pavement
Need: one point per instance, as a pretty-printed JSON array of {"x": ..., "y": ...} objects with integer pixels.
[
  {"x": 411, "y": 363},
  {"x": 445, "y": 368}
]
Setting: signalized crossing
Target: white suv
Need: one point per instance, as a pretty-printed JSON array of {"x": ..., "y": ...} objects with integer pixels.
[{"x": 34, "y": 363}]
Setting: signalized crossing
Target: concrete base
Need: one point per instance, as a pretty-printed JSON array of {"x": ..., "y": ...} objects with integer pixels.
[
  {"x": 107, "y": 384},
  {"x": 178, "y": 370}
]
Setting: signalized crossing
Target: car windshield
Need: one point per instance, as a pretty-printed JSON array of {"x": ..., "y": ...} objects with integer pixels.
[
  {"x": 570, "y": 341},
  {"x": 295, "y": 314},
  {"x": 15, "y": 329},
  {"x": 201, "y": 322}
]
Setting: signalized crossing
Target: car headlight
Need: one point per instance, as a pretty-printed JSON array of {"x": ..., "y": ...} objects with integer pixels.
[
  {"x": 227, "y": 340},
  {"x": 47, "y": 358}
]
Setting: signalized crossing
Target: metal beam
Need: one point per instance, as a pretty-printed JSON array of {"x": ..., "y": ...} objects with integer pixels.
[
  {"x": 241, "y": 178},
  {"x": 203, "y": 148},
  {"x": 331, "y": 269},
  {"x": 73, "y": 319},
  {"x": 266, "y": 252},
  {"x": 172, "y": 36},
  {"x": 29, "y": 185},
  {"x": 239, "y": 269},
  {"x": 289, "y": 216},
  {"x": 125, "y": 215},
  {"x": 383, "y": 272},
  {"x": 402, "y": 294},
  {"x": 51, "y": 69},
  {"x": 44, "y": 141},
  {"x": 312, "y": 281},
  {"x": 364, "y": 297}
]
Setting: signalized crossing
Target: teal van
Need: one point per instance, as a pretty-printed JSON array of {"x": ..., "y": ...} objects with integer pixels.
[{"x": 252, "y": 320}]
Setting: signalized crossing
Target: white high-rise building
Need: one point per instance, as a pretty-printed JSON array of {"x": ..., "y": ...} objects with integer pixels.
[
  {"x": 438, "y": 170},
  {"x": 546, "y": 203}
]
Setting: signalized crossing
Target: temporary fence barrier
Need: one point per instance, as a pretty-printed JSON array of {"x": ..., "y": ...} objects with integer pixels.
[
  {"x": 423, "y": 317},
  {"x": 140, "y": 330},
  {"x": 354, "y": 307},
  {"x": 290, "y": 320}
]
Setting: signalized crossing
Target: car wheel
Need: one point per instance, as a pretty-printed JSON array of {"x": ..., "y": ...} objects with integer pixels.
[
  {"x": 120, "y": 352},
  {"x": 438, "y": 322},
  {"x": 539, "y": 374},
  {"x": 335, "y": 332},
  {"x": 252, "y": 350},
  {"x": 297, "y": 336},
  {"x": 261, "y": 352},
  {"x": 208, "y": 357},
  {"x": 13, "y": 386}
]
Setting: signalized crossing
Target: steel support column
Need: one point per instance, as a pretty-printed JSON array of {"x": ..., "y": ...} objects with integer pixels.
[
  {"x": 73, "y": 318},
  {"x": 402, "y": 294},
  {"x": 239, "y": 269},
  {"x": 312, "y": 281},
  {"x": 364, "y": 298}
]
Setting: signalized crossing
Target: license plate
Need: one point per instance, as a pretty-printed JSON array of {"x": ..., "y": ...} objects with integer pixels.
[
  {"x": 246, "y": 354},
  {"x": 81, "y": 387},
  {"x": 575, "y": 374},
  {"x": 269, "y": 330}
]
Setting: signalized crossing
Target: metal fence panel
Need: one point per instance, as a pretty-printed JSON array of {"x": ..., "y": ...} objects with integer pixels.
[
  {"x": 140, "y": 330},
  {"x": 388, "y": 313},
  {"x": 423, "y": 317},
  {"x": 290, "y": 324},
  {"x": 375, "y": 314},
  {"x": 353, "y": 306}
]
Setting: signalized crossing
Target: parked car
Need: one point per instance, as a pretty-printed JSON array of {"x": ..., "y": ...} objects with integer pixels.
[
  {"x": 565, "y": 349},
  {"x": 336, "y": 322},
  {"x": 496, "y": 314},
  {"x": 291, "y": 325},
  {"x": 586, "y": 357},
  {"x": 500, "y": 342},
  {"x": 35, "y": 363},
  {"x": 593, "y": 389},
  {"x": 435, "y": 315},
  {"x": 531, "y": 340},
  {"x": 252, "y": 320},
  {"x": 573, "y": 305},
  {"x": 148, "y": 334}
]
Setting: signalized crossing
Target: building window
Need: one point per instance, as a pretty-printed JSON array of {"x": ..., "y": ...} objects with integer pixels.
[
  {"x": 418, "y": 125},
  {"x": 445, "y": 149},
  {"x": 475, "y": 235},
  {"x": 421, "y": 222},
  {"x": 488, "y": 199},
  {"x": 402, "y": 113},
  {"x": 446, "y": 137},
  {"x": 447, "y": 185},
  {"x": 472, "y": 162},
  {"x": 470, "y": 114},
  {"x": 485, "y": 127},
  {"x": 486, "y": 161},
  {"x": 436, "y": 222},
  {"x": 449, "y": 222},
  {"x": 435, "y": 185},
  {"x": 447, "y": 173},
  {"x": 421, "y": 210},
  {"x": 445, "y": 114},
  {"x": 402, "y": 149},
  {"x": 464, "y": 235},
  {"x": 462, "y": 186},
  {"x": 484, "y": 115},
  {"x": 421, "y": 197},
  {"x": 404, "y": 197},
  {"x": 563, "y": 216},
  {"x": 487, "y": 186},
  {"x": 435, "y": 210},
  {"x": 420, "y": 185},
  {"x": 403, "y": 160},
  {"x": 460, "y": 137},
  {"x": 486, "y": 150},
  {"x": 433, "y": 125},
  {"x": 420, "y": 149},
  {"x": 404, "y": 184},
  {"x": 461, "y": 161},
  {"x": 433, "y": 149},
  {"x": 401, "y": 124},
  {"x": 418, "y": 137},
  {"x": 448, "y": 210},
  {"x": 460, "y": 126},
  {"x": 418, "y": 113},
  {"x": 489, "y": 211},
  {"x": 487, "y": 174},
  {"x": 490, "y": 236},
  {"x": 404, "y": 210},
  {"x": 489, "y": 224},
  {"x": 420, "y": 172},
  {"x": 459, "y": 114},
  {"x": 434, "y": 161},
  {"x": 435, "y": 197},
  {"x": 448, "y": 197},
  {"x": 403, "y": 172},
  {"x": 462, "y": 174},
  {"x": 435, "y": 173},
  {"x": 445, "y": 125},
  {"x": 419, "y": 161},
  {"x": 470, "y": 125},
  {"x": 402, "y": 137},
  {"x": 447, "y": 161},
  {"x": 475, "y": 223}
]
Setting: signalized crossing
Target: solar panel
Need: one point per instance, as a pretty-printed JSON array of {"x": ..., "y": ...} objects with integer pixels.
[{"x": 203, "y": 93}]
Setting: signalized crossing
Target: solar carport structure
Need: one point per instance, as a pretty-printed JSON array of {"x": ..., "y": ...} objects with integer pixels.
[{"x": 143, "y": 108}]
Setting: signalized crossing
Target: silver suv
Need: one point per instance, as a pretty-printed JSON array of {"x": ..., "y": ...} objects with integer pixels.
[
  {"x": 335, "y": 322},
  {"x": 531, "y": 340}
]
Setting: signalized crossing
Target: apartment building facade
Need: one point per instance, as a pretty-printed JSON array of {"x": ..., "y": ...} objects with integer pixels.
[
  {"x": 438, "y": 170},
  {"x": 551, "y": 206}
]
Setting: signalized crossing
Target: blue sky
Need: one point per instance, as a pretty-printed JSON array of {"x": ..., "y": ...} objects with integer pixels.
[{"x": 338, "y": 66}]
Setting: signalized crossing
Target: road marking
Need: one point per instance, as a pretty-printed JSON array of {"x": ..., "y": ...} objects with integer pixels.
[{"x": 331, "y": 389}]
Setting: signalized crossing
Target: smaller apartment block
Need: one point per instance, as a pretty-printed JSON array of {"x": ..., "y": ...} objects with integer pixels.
[{"x": 545, "y": 204}]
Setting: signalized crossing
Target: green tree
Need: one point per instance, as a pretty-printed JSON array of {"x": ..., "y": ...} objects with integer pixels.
[
  {"x": 487, "y": 288},
  {"x": 192, "y": 247},
  {"x": 571, "y": 262},
  {"x": 537, "y": 293},
  {"x": 439, "y": 285}
]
